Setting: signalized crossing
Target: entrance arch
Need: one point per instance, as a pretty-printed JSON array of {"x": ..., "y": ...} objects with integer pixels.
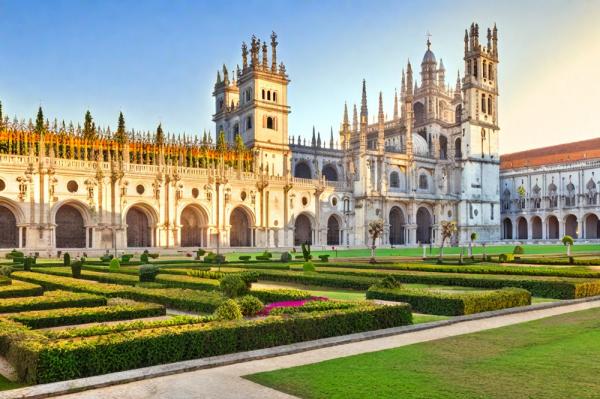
[
  {"x": 302, "y": 230},
  {"x": 553, "y": 227},
  {"x": 333, "y": 231},
  {"x": 571, "y": 226},
  {"x": 423, "y": 226},
  {"x": 536, "y": 228},
  {"x": 138, "y": 228},
  {"x": 9, "y": 237},
  {"x": 240, "y": 234},
  {"x": 507, "y": 229},
  {"x": 302, "y": 170},
  {"x": 592, "y": 227},
  {"x": 522, "y": 229},
  {"x": 193, "y": 222},
  {"x": 396, "y": 219},
  {"x": 70, "y": 228},
  {"x": 330, "y": 172}
]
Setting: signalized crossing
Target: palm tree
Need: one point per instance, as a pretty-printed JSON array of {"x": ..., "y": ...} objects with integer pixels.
[
  {"x": 448, "y": 230},
  {"x": 375, "y": 230}
]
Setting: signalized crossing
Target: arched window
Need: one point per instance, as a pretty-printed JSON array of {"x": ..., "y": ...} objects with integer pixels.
[
  {"x": 443, "y": 147},
  {"x": 248, "y": 94},
  {"x": 484, "y": 69},
  {"x": 489, "y": 108},
  {"x": 423, "y": 182},
  {"x": 394, "y": 180},
  {"x": 270, "y": 122},
  {"x": 263, "y": 94},
  {"x": 490, "y": 72},
  {"x": 275, "y": 96},
  {"x": 458, "y": 148},
  {"x": 475, "y": 68},
  {"x": 248, "y": 122},
  {"x": 483, "y": 103},
  {"x": 269, "y": 95},
  {"x": 458, "y": 114}
]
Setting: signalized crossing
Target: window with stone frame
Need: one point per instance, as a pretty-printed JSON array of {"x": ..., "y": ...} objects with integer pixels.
[
  {"x": 423, "y": 182},
  {"x": 570, "y": 198},
  {"x": 506, "y": 199},
  {"x": 394, "y": 180},
  {"x": 536, "y": 199},
  {"x": 592, "y": 192},
  {"x": 552, "y": 196}
]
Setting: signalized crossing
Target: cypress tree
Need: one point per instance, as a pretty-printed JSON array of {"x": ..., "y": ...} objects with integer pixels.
[
  {"x": 39, "y": 121},
  {"x": 89, "y": 128},
  {"x": 160, "y": 136},
  {"x": 120, "y": 133}
]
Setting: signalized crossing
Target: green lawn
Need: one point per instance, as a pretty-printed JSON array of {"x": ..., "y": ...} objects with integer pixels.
[
  {"x": 551, "y": 358},
  {"x": 6, "y": 384}
]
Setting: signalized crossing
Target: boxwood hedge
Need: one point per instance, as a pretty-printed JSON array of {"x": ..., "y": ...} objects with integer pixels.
[
  {"x": 20, "y": 288},
  {"x": 43, "y": 360},
  {"x": 4, "y": 280},
  {"x": 69, "y": 316},
  {"x": 453, "y": 303},
  {"x": 51, "y": 300}
]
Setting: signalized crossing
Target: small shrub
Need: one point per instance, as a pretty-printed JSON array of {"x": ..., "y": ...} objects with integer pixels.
[
  {"x": 567, "y": 240},
  {"x": 126, "y": 258},
  {"x": 244, "y": 258},
  {"x": 76, "y": 269},
  {"x": 228, "y": 310},
  {"x": 285, "y": 257},
  {"x": 306, "y": 252},
  {"x": 67, "y": 259},
  {"x": 250, "y": 305},
  {"x": 154, "y": 255},
  {"x": 232, "y": 285},
  {"x": 308, "y": 267},
  {"x": 389, "y": 282},
  {"x": 5, "y": 271},
  {"x": 249, "y": 277},
  {"x": 14, "y": 254},
  {"x": 571, "y": 260},
  {"x": 200, "y": 253},
  {"x": 144, "y": 258},
  {"x": 506, "y": 258},
  {"x": 148, "y": 273},
  {"x": 106, "y": 258},
  {"x": 219, "y": 259},
  {"x": 518, "y": 250},
  {"x": 324, "y": 258},
  {"x": 209, "y": 257},
  {"x": 114, "y": 265},
  {"x": 27, "y": 263}
]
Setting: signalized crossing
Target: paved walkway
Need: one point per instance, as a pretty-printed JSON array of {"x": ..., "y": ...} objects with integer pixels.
[{"x": 226, "y": 383}]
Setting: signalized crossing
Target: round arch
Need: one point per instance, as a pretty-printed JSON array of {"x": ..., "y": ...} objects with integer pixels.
[
  {"x": 397, "y": 222},
  {"x": 522, "y": 228},
  {"x": 9, "y": 233},
  {"x": 70, "y": 231},
  {"x": 592, "y": 226},
  {"x": 507, "y": 229},
  {"x": 330, "y": 172},
  {"x": 553, "y": 227},
  {"x": 193, "y": 221},
  {"x": 333, "y": 230},
  {"x": 141, "y": 220},
  {"x": 303, "y": 229},
  {"x": 536, "y": 228},
  {"x": 240, "y": 234},
  {"x": 302, "y": 170},
  {"x": 423, "y": 225},
  {"x": 571, "y": 228}
]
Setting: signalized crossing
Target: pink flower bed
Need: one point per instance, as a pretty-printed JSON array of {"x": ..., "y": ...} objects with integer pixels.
[{"x": 289, "y": 304}]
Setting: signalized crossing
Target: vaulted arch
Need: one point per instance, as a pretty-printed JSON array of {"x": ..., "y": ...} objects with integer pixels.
[
  {"x": 302, "y": 230},
  {"x": 9, "y": 234},
  {"x": 302, "y": 170},
  {"x": 424, "y": 225},
  {"x": 333, "y": 230},
  {"x": 330, "y": 172},
  {"x": 240, "y": 234},
  {"x": 507, "y": 229},
  {"x": 522, "y": 233},
  {"x": 194, "y": 221},
  {"x": 397, "y": 222},
  {"x": 70, "y": 227}
]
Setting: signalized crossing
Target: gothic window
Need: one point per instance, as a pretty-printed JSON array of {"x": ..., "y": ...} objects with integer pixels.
[
  {"x": 423, "y": 183},
  {"x": 592, "y": 193},
  {"x": 236, "y": 129},
  {"x": 475, "y": 68},
  {"x": 490, "y": 72},
  {"x": 220, "y": 104},
  {"x": 248, "y": 122},
  {"x": 553, "y": 198},
  {"x": 536, "y": 198},
  {"x": 248, "y": 94},
  {"x": 458, "y": 148},
  {"x": 394, "y": 180},
  {"x": 489, "y": 105},
  {"x": 458, "y": 114},
  {"x": 483, "y": 103},
  {"x": 469, "y": 67},
  {"x": 492, "y": 211},
  {"x": 443, "y": 147},
  {"x": 484, "y": 69},
  {"x": 570, "y": 198},
  {"x": 270, "y": 123},
  {"x": 506, "y": 199}
]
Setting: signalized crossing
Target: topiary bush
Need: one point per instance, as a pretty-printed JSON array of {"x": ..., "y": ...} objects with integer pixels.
[
  {"x": 67, "y": 259},
  {"x": 506, "y": 257},
  {"x": 153, "y": 255},
  {"x": 76, "y": 269},
  {"x": 14, "y": 254},
  {"x": 232, "y": 286},
  {"x": 250, "y": 305},
  {"x": 228, "y": 310},
  {"x": 144, "y": 258},
  {"x": 148, "y": 273},
  {"x": 309, "y": 267},
  {"x": 28, "y": 261},
  {"x": 285, "y": 257},
  {"x": 306, "y": 252},
  {"x": 389, "y": 282},
  {"x": 200, "y": 253},
  {"x": 518, "y": 250},
  {"x": 5, "y": 271},
  {"x": 244, "y": 258},
  {"x": 126, "y": 258},
  {"x": 324, "y": 258},
  {"x": 114, "y": 265}
]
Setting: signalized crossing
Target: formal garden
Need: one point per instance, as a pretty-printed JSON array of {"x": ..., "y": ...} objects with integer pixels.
[{"x": 73, "y": 317}]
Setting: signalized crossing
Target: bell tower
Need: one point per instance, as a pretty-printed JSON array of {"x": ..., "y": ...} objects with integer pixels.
[{"x": 479, "y": 209}]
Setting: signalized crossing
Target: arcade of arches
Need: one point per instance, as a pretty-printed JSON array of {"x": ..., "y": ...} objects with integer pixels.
[
  {"x": 240, "y": 234},
  {"x": 139, "y": 230},
  {"x": 70, "y": 228},
  {"x": 193, "y": 222},
  {"x": 8, "y": 229},
  {"x": 537, "y": 229}
]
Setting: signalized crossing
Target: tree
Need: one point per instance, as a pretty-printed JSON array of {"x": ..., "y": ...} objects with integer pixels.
[
  {"x": 473, "y": 238},
  {"x": 89, "y": 127},
  {"x": 568, "y": 242},
  {"x": 120, "y": 134},
  {"x": 160, "y": 136},
  {"x": 39, "y": 121},
  {"x": 448, "y": 230},
  {"x": 221, "y": 144},
  {"x": 239, "y": 143},
  {"x": 375, "y": 230}
]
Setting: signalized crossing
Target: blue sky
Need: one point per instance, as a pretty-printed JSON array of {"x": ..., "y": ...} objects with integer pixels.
[{"x": 156, "y": 60}]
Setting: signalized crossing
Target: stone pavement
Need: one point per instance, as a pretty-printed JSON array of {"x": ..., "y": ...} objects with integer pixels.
[{"x": 225, "y": 382}]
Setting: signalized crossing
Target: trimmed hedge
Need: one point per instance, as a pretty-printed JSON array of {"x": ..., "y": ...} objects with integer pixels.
[
  {"x": 278, "y": 295},
  {"x": 102, "y": 277},
  {"x": 20, "y": 289},
  {"x": 180, "y": 281},
  {"x": 178, "y": 298},
  {"x": 325, "y": 280},
  {"x": 51, "y": 300},
  {"x": 453, "y": 303},
  {"x": 5, "y": 280},
  {"x": 87, "y": 356},
  {"x": 70, "y": 316}
]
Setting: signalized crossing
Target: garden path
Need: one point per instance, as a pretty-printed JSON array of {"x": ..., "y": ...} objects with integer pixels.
[{"x": 226, "y": 382}]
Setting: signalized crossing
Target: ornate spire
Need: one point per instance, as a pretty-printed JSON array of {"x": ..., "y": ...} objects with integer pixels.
[
  {"x": 274, "y": 52},
  {"x": 403, "y": 86},
  {"x": 380, "y": 115},
  {"x": 364, "y": 111},
  {"x": 395, "y": 104},
  {"x": 319, "y": 139},
  {"x": 331, "y": 138},
  {"x": 265, "y": 59},
  {"x": 225, "y": 75},
  {"x": 409, "y": 80},
  {"x": 458, "y": 85},
  {"x": 244, "y": 55},
  {"x": 314, "y": 139},
  {"x": 355, "y": 120}
]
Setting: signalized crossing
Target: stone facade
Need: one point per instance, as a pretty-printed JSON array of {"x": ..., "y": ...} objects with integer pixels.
[
  {"x": 436, "y": 159},
  {"x": 550, "y": 192}
]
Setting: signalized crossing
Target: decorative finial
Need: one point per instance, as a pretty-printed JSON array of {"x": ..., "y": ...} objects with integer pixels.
[{"x": 428, "y": 41}]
